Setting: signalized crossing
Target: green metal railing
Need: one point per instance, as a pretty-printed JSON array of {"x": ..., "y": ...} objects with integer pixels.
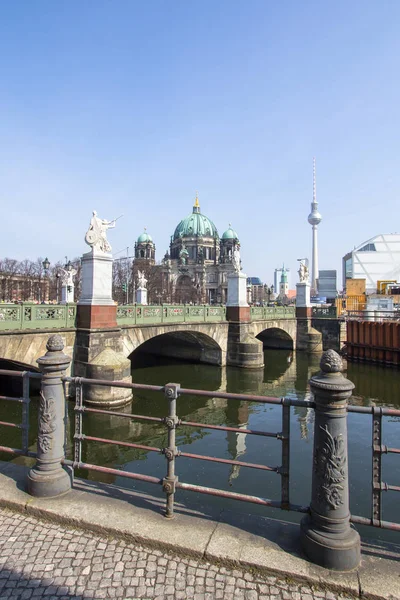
[
  {"x": 261, "y": 313},
  {"x": 137, "y": 314},
  {"x": 37, "y": 316},
  {"x": 318, "y": 312},
  {"x": 61, "y": 316}
]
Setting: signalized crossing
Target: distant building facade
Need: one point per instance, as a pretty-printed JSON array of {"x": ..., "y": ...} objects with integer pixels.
[
  {"x": 377, "y": 259},
  {"x": 196, "y": 266},
  {"x": 327, "y": 284}
]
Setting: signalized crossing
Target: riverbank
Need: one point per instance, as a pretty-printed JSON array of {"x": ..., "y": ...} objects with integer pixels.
[{"x": 255, "y": 545}]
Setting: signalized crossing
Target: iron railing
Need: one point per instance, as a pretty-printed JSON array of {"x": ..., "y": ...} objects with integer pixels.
[
  {"x": 320, "y": 312},
  {"x": 24, "y": 401},
  {"x": 63, "y": 316},
  {"x": 37, "y": 316},
  {"x": 170, "y": 483},
  {"x": 378, "y": 316}
]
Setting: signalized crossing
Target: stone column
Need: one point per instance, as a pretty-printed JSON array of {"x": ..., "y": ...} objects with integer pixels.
[
  {"x": 99, "y": 343},
  {"x": 327, "y": 537},
  {"x": 48, "y": 478},
  {"x": 244, "y": 350},
  {"x": 67, "y": 293},
  {"x": 308, "y": 338},
  {"x": 141, "y": 296}
]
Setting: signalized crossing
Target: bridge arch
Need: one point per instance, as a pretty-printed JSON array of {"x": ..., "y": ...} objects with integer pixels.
[
  {"x": 202, "y": 343},
  {"x": 276, "y": 334}
]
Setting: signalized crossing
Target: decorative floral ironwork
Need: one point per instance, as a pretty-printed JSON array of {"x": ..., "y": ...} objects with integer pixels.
[
  {"x": 9, "y": 314},
  {"x": 124, "y": 312},
  {"x": 27, "y": 313},
  {"x": 152, "y": 312},
  {"x": 47, "y": 423},
  {"x": 330, "y": 467},
  {"x": 50, "y": 313},
  {"x": 175, "y": 312}
]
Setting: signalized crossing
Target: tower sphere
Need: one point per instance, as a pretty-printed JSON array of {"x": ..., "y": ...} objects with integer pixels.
[{"x": 314, "y": 218}]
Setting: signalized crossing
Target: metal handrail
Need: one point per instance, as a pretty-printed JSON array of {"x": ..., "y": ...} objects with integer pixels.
[{"x": 170, "y": 483}]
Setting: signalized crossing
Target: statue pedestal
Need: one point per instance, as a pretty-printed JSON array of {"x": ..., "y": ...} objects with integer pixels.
[
  {"x": 141, "y": 296},
  {"x": 67, "y": 294},
  {"x": 237, "y": 290},
  {"x": 96, "y": 279},
  {"x": 303, "y": 294}
]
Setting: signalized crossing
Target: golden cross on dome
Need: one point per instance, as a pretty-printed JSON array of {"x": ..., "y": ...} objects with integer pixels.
[{"x": 196, "y": 203}]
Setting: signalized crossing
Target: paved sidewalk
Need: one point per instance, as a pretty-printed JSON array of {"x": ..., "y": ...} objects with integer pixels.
[
  {"x": 45, "y": 560},
  {"x": 99, "y": 540}
]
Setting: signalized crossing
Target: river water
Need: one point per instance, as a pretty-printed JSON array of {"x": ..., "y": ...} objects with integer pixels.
[{"x": 285, "y": 374}]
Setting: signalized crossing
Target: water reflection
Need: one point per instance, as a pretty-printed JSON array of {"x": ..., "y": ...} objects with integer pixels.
[{"x": 286, "y": 373}]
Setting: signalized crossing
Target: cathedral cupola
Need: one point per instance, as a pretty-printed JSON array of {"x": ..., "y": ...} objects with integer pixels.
[
  {"x": 145, "y": 248},
  {"x": 228, "y": 242}
]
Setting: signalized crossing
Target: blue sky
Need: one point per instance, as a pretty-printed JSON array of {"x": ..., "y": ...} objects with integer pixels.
[{"x": 129, "y": 107}]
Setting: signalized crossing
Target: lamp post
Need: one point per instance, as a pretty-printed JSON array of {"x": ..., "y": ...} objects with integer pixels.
[
  {"x": 270, "y": 291},
  {"x": 43, "y": 267}
]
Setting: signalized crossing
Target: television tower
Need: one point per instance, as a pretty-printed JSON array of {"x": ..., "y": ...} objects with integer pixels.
[{"x": 314, "y": 218}]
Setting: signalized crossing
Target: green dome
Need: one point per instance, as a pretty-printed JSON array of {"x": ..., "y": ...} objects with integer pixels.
[
  {"x": 144, "y": 237},
  {"x": 196, "y": 225},
  {"x": 230, "y": 234}
]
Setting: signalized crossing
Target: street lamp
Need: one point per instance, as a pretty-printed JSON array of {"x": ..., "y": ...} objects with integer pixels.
[
  {"x": 270, "y": 291},
  {"x": 45, "y": 264}
]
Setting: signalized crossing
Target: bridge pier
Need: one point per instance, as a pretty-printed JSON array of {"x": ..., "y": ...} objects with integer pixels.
[
  {"x": 243, "y": 349},
  {"x": 98, "y": 350},
  {"x": 308, "y": 338}
]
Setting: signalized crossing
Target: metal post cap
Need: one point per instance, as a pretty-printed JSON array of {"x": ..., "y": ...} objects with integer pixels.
[
  {"x": 331, "y": 362},
  {"x": 55, "y": 343}
]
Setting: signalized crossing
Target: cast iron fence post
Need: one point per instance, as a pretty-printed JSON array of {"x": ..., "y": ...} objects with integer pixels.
[
  {"x": 327, "y": 537},
  {"x": 48, "y": 478}
]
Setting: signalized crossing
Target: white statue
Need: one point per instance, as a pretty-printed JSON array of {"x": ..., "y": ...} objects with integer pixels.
[
  {"x": 236, "y": 258},
  {"x": 67, "y": 276},
  {"x": 303, "y": 271},
  {"x": 96, "y": 234},
  {"x": 141, "y": 279}
]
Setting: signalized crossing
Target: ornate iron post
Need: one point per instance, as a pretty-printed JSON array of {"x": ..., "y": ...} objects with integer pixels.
[
  {"x": 169, "y": 482},
  {"x": 48, "y": 478},
  {"x": 326, "y": 534}
]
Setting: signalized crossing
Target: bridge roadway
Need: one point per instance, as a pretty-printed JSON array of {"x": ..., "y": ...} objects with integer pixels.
[{"x": 196, "y": 332}]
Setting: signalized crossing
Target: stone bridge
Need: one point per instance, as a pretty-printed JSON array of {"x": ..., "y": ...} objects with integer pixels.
[
  {"x": 103, "y": 342},
  {"x": 199, "y": 333}
]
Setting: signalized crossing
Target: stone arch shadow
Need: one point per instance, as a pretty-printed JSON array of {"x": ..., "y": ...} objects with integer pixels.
[
  {"x": 190, "y": 346},
  {"x": 275, "y": 337}
]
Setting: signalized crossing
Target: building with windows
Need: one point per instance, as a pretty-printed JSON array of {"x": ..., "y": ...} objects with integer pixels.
[
  {"x": 257, "y": 290},
  {"x": 377, "y": 259},
  {"x": 196, "y": 266},
  {"x": 327, "y": 287}
]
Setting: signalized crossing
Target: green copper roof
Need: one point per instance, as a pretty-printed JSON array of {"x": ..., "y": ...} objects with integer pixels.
[
  {"x": 196, "y": 225},
  {"x": 230, "y": 234},
  {"x": 144, "y": 237}
]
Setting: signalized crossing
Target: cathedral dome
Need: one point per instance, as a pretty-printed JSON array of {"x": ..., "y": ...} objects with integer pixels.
[
  {"x": 196, "y": 225},
  {"x": 230, "y": 234},
  {"x": 144, "y": 237}
]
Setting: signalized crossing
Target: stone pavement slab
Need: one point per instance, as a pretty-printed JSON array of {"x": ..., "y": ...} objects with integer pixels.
[{"x": 252, "y": 547}]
